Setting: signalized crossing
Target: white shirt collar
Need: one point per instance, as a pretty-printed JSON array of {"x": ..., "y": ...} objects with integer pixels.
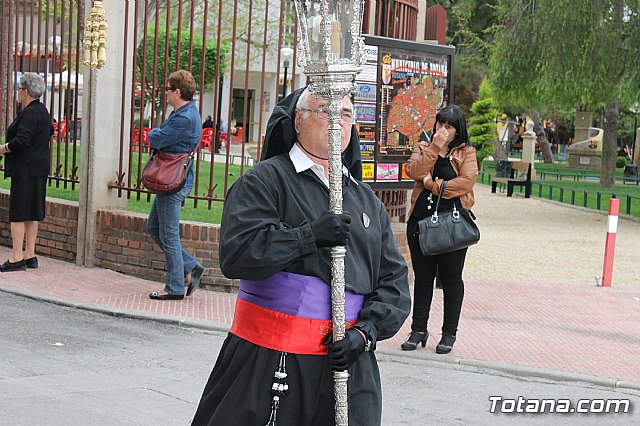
[{"x": 302, "y": 162}]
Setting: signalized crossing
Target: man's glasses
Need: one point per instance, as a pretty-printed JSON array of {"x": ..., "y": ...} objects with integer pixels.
[
  {"x": 346, "y": 117},
  {"x": 168, "y": 88}
]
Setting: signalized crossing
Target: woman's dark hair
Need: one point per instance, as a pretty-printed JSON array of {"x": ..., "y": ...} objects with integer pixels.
[{"x": 453, "y": 115}]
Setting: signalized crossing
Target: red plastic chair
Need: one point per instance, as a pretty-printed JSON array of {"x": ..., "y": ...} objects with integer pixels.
[
  {"x": 60, "y": 129},
  {"x": 140, "y": 141},
  {"x": 238, "y": 137},
  {"x": 206, "y": 139}
]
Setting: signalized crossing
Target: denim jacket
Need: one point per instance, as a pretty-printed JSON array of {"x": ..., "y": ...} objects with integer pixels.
[{"x": 180, "y": 133}]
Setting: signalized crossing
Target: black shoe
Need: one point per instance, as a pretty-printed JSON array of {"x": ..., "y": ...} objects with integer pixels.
[
  {"x": 32, "y": 262},
  {"x": 446, "y": 344},
  {"x": 7, "y": 266},
  {"x": 196, "y": 276},
  {"x": 157, "y": 296},
  {"x": 414, "y": 338}
]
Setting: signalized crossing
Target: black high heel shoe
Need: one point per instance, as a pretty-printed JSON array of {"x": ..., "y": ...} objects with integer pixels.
[
  {"x": 446, "y": 344},
  {"x": 414, "y": 338}
]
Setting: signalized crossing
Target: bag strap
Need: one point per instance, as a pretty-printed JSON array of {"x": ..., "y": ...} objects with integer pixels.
[{"x": 442, "y": 187}]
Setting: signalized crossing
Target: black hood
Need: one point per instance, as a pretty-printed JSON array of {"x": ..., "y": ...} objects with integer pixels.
[{"x": 281, "y": 135}]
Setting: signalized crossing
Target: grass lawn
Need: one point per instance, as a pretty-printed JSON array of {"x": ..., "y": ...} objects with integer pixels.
[{"x": 141, "y": 203}]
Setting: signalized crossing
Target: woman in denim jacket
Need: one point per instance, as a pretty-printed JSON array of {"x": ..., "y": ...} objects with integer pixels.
[{"x": 179, "y": 134}]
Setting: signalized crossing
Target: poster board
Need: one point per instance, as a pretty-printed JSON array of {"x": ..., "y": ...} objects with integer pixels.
[{"x": 398, "y": 93}]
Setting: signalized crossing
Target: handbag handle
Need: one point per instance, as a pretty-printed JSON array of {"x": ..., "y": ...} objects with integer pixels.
[{"x": 434, "y": 217}]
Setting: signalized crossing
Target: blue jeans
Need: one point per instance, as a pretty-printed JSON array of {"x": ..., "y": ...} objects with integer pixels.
[{"x": 163, "y": 225}]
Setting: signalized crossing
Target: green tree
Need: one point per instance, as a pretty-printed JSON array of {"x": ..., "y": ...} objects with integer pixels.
[
  {"x": 568, "y": 53},
  {"x": 482, "y": 132},
  {"x": 469, "y": 24},
  {"x": 154, "y": 79}
]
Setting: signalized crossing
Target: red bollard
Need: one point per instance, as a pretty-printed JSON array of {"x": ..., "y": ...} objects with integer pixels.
[{"x": 610, "y": 245}]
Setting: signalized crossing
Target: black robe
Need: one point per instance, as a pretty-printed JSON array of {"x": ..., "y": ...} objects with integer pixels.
[{"x": 265, "y": 229}]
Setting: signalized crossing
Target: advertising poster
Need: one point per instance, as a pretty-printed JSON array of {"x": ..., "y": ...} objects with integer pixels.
[
  {"x": 405, "y": 176},
  {"x": 387, "y": 171},
  {"x": 365, "y": 112},
  {"x": 367, "y": 149},
  {"x": 369, "y": 73},
  {"x": 412, "y": 90},
  {"x": 368, "y": 173},
  {"x": 365, "y": 92},
  {"x": 397, "y": 95}
]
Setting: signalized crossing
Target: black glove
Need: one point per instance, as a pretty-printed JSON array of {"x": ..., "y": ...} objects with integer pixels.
[
  {"x": 331, "y": 229},
  {"x": 344, "y": 352}
]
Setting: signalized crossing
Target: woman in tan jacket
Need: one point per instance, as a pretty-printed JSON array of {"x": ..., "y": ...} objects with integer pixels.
[{"x": 448, "y": 157}]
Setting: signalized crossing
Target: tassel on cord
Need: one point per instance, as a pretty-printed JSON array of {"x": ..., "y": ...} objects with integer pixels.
[{"x": 279, "y": 388}]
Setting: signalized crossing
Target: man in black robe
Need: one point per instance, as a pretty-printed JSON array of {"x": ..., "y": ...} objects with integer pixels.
[{"x": 275, "y": 367}]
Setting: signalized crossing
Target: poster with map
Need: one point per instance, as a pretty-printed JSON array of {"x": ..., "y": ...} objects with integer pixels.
[
  {"x": 411, "y": 82},
  {"x": 413, "y": 89}
]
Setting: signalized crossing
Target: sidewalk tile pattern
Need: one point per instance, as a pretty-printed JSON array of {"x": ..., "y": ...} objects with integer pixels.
[{"x": 578, "y": 328}]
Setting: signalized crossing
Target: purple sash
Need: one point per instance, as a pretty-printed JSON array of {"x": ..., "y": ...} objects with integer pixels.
[{"x": 299, "y": 295}]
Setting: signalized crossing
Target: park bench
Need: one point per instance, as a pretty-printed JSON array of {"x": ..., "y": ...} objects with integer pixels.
[{"x": 513, "y": 180}]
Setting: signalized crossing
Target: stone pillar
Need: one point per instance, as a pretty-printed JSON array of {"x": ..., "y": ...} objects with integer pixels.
[
  {"x": 529, "y": 144},
  {"x": 100, "y": 144},
  {"x": 583, "y": 121}
]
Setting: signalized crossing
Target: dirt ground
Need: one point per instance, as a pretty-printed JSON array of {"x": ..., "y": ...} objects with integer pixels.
[{"x": 537, "y": 240}]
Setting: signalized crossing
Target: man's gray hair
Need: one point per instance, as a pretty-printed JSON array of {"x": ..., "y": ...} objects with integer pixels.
[
  {"x": 303, "y": 103},
  {"x": 33, "y": 83}
]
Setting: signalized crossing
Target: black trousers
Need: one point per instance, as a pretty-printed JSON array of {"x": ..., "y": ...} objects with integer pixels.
[{"x": 449, "y": 267}]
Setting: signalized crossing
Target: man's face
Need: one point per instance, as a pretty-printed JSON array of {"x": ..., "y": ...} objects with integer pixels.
[{"x": 313, "y": 130}]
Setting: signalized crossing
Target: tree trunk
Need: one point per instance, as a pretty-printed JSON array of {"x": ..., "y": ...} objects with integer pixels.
[
  {"x": 610, "y": 144},
  {"x": 538, "y": 129},
  {"x": 498, "y": 150}
]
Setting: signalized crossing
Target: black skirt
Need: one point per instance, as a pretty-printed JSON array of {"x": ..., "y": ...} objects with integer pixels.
[
  {"x": 28, "y": 198},
  {"x": 239, "y": 389}
]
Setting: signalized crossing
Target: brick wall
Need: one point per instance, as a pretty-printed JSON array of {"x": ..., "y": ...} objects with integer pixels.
[
  {"x": 124, "y": 246},
  {"x": 57, "y": 234}
]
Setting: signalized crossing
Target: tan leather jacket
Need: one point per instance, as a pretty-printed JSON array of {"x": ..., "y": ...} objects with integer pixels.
[{"x": 463, "y": 160}]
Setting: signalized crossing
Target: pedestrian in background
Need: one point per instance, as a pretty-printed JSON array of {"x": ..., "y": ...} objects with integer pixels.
[
  {"x": 179, "y": 134},
  {"x": 449, "y": 157},
  {"x": 27, "y": 163},
  {"x": 208, "y": 123}
]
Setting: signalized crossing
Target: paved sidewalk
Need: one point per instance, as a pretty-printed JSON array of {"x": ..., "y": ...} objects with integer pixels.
[{"x": 555, "y": 326}]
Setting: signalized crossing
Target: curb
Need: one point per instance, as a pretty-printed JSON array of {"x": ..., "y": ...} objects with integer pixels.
[
  {"x": 516, "y": 370},
  {"x": 501, "y": 368}
]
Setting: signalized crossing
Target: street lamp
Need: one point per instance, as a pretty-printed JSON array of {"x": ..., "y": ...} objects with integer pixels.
[
  {"x": 331, "y": 51},
  {"x": 287, "y": 55},
  {"x": 635, "y": 109}
]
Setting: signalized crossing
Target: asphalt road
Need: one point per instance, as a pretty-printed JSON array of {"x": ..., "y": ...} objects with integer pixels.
[{"x": 60, "y": 366}]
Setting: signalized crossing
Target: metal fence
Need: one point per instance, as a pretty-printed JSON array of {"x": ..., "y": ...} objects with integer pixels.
[
  {"x": 233, "y": 50},
  {"x": 44, "y": 37},
  {"x": 629, "y": 204},
  {"x": 231, "y": 47}
]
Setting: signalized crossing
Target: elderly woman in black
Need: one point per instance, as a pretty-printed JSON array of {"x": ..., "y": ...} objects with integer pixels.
[{"x": 27, "y": 162}]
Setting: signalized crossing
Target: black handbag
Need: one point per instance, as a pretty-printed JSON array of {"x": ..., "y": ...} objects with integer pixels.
[{"x": 448, "y": 231}]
